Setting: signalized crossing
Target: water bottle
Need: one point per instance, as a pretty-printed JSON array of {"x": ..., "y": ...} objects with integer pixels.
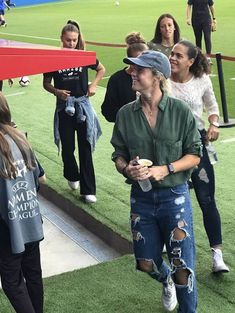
[
  {"x": 211, "y": 153},
  {"x": 145, "y": 184}
]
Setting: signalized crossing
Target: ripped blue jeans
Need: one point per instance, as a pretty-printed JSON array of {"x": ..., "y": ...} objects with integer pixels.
[{"x": 156, "y": 217}]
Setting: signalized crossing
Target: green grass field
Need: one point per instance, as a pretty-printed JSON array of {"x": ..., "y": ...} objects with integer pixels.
[
  {"x": 122, "y": 290},
  {"x": 102, "y": 21}
]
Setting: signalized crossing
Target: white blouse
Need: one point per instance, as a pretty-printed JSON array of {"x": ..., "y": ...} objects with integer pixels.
[{"x": 198, "y": 94}]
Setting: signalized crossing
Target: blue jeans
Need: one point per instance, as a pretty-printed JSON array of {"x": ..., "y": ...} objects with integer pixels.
[
  {"x": 155, "y": 216},
  {"x": 203, "y": 180}
]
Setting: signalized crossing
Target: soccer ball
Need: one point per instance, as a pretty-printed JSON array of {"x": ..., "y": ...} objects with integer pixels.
[
  {"x": 24, "y": 81},
  {"x": 117, "y": 2}
]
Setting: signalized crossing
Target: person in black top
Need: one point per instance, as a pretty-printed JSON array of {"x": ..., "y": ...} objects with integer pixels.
[
  {"x": 119, "y": 89},
  {"x": 203, "y": 16},
  {"x": 74, "y": 114}
]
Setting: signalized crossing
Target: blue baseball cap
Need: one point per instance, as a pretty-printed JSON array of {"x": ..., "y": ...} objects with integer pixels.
[{"x": 152, "y": 59}]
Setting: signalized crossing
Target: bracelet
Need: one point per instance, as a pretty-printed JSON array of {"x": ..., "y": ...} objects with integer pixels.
[
  {"x": 124, "y": 171},
  {"x": 55, "y": 92}
]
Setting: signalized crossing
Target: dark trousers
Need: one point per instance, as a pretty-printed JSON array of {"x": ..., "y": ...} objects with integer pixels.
[
  {"x": 68, "y": 126},
  {"x": 199, "y": 28},
  {"x": 203, "y": 180},
  {"x": 21, "y": 275}
]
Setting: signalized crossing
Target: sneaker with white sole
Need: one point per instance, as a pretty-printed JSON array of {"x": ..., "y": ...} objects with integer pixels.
[
  {"x": 89, "y": 198},
  {"x": 218, "y": 265},
  {"x": 169, "y": 299},
  {"x": 73, "y": 184}
]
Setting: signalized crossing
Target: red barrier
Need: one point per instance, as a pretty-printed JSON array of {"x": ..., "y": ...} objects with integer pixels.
[{"x": 16, "y": 61}]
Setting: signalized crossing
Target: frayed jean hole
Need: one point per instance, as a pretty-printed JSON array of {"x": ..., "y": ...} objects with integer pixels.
[
  {"x": 135, "y": 218},
  {"x": 177, "y": 262},
  {"x": 145, "y": 266},
  {"x": 182, "y": 223},
  {"x": 179, "y": 234},
  {"x": 181, "y": 276},
  {"x": 180, "y": 200},
  {"x": 137, "y": 236},
  {"x": 203, "y": 176},
  {"x": 176, "y": 252}
]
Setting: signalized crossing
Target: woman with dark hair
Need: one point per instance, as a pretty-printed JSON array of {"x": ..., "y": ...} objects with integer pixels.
[
  {"x": 190, "y": 82},
  {"x": 75, "y": 114},
  {"x": 119, "y": 89},
  {"x": 203, "y": 16},
  {"x": 20, "y": 219},
  {"x": 167, "y": 33}
]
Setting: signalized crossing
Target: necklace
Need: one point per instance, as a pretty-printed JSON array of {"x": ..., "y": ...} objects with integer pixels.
[{"x": 151, "y": 116}]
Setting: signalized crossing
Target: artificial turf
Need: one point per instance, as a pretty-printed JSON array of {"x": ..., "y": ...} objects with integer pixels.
[{"x": 113, "y": 286}]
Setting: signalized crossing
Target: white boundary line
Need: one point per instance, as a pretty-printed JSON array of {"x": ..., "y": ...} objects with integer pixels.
[
  {"x": 15, "y": 94},
  {"x": 28, "y": 36},
  {"x": 228, "y": 140}
]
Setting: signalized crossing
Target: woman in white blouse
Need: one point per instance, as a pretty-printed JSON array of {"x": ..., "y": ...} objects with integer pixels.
[{"x": 190, "y": 82}]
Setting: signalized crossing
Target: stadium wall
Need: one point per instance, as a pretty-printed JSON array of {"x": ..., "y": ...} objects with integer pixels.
[{"x": 31, "y": 2}]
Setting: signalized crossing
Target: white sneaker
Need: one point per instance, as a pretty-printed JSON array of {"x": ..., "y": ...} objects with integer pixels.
[
  {"x": 169, "y": 299},
  {"x": 218, "y": 265},
  {"x": 89, "y": 198},
  {"x": 73, "y": 184}
]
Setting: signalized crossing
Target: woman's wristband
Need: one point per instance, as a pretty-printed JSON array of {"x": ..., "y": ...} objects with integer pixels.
[
  {"x": 124, "y": 171},
  {"x": 55, "y": 92}
]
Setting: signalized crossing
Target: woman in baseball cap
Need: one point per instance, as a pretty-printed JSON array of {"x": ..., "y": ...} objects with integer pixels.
[{"x": 164, "y": 131}]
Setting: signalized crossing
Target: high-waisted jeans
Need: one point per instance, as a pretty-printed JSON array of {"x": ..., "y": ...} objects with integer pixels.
[{"x": 155, "y": 215}]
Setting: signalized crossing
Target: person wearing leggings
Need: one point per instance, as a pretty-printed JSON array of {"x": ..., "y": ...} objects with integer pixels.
[{"x": 200, "y": 13}]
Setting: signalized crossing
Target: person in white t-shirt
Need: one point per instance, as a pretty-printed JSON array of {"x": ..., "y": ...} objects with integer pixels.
[{"x": 190, "y": 82}]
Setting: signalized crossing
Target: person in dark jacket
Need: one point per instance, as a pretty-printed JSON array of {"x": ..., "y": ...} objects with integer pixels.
[{"x": 119, "y": 91}]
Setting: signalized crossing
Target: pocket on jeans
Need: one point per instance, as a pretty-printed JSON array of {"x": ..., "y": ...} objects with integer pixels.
[{"x": 180, "y": 189}]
